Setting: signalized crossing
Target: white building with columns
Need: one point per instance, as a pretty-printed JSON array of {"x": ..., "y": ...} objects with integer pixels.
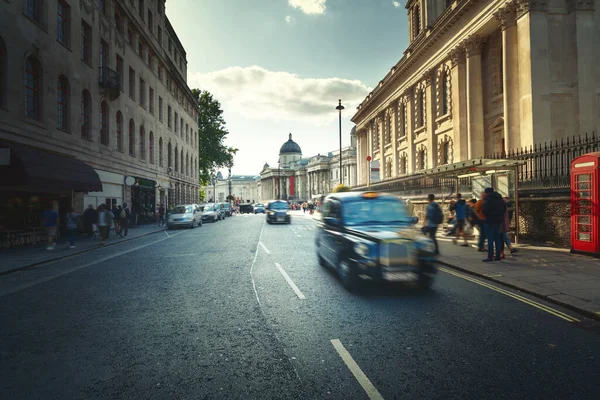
[{"x": 482, "y": 77}]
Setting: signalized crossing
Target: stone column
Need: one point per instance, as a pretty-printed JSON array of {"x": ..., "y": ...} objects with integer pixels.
[
  {"x": 428, "y": 78},
  {"x": 459, "y": 104},
  {"x": 476, "y": 142},
  {"x": 410, "y": 126},
  {"x": 379, "y": 123},
  {"x": 394, "y": 138},
  {"x": 510, "y": 71}
]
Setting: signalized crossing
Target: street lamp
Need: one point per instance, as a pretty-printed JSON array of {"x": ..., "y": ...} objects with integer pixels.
[
  {"x": 279, "y": 178},
  {"x": 340, "y": 107},
  {"x": 214, "y": 187},
  {"x": 229, "y": 169}
]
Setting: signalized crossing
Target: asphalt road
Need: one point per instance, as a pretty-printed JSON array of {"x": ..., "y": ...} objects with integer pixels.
[{"x": 242, "y": 310}]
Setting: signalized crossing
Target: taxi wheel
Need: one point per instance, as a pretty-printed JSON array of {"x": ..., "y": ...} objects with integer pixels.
[
  {"x": 425, "y": 281},
  {"x": 322, "y": 261},
  {"x": 347, "y": 275}
]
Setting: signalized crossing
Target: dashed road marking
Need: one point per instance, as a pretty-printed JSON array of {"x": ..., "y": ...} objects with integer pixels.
[
  {"x": 264, "y": 248},
  {"x": 515, "y": 296},
  {"x": 290, "y": 282},
  {"x": 360, "y": 376}
]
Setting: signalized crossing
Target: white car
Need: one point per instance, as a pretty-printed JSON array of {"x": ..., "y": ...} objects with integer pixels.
[{"x": 187, "y": 215}]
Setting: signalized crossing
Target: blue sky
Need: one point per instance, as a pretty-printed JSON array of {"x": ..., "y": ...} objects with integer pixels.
[{"x": 279, "y": 66}]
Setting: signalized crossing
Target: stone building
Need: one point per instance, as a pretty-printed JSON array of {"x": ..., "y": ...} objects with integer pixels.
[
  {"x": 244, "y": 188},
  {"x": 104, "y": 84},
  {"x": 482, "y": 77},
  {"x": 303, "y": 179}
]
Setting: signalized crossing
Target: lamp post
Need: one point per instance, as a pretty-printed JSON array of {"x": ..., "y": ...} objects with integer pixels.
[
  {"x": 340, "y": 107},
  {"x": 229, "y": 169},
  {"x": 279, "y": 178},
  {"x": 214, "y": 187}
]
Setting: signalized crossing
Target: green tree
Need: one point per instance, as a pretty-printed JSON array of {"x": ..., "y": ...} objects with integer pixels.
[
  {"x": 341, "y": 188},
  {"x": 213, "y": 153}
]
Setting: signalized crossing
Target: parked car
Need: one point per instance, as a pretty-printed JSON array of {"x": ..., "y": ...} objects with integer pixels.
[
  {"x": 246, "y": 209},
  {"x": 259, "y": 208},
  {"x": 185, "y": 215},
  {"x": 221, "y": 209},
  {"x": 370, "y": 235},
  {"x": 209, "y": 212},
  {"x": 278, "y": 211},
  {"x": 227, "y": 208}
]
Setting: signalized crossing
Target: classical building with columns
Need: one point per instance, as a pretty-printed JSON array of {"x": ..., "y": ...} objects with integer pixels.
[
  {"x": 304, "y": 179},
  {"x": 482, "y": 77}
]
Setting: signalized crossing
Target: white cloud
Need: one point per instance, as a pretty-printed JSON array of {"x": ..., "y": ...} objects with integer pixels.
[
  {"x": 289, "y": 19},
  {"x": 309, "y": 6},
  {"x": 397, "y": 4},
  {"x": 257, "y": 93}
]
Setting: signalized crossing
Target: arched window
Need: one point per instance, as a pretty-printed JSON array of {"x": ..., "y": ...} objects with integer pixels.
[
  {"x": 420, "y": 108},
  {"x": 119, "y": 138},
  {"x": 444, "y": 93},
  {"x": 62, "y": 103},
  {"x": 176, "y": 159},
  {"x": 388, "y": 129},
  {"x": 104, "y": 137},
  {"x": 169, "y": 156},
  {"x": 181, "y": 160},
  {"x": 421, "y": 158},
  {"x": 131, "y": 138},
  {"x": 151, "y": 148},
  {"x": 3, "y": 61},
  {"x": 445, "y": 153},
  {"x": 416, "y": 21},
  {"x": 142, "y": 143},
  {"x": 160, "y": 152},
  {"x": 403, "y": 164},
  {"x": 401, "y": 120},
  {"x": 86, "y": 114},
  {"x": 33, "y": 87}
]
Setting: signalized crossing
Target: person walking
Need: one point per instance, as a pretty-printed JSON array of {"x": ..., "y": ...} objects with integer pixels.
[
  {"x": 89, "y": 219},
  {"x": 161, "y": 215},
  {"x": 124, "y": 219},
  {"x": 433, "y": 218},
  {"x": 494, "y": 209},
  {"x": 116, "y": 212},
  {"x": 103, "y": 222},
  {"x": 72, "y": 228},
  {"x": 478, "y": 210},
  {"x": 50, "y": 221},
  {"x": 460, "y": 210},
  {"x": 505, "y": 229}
]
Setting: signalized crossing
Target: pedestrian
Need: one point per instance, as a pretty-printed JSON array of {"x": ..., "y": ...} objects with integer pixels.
[
  {"x": 505, "y": 228},
  {"x": 89, "y": 219},
  {"x": 124, "y": 218},
  {"x": 116, "y": 212},
  {"x": 494, "y": 209},
  {"x": 161, "y": 215},
  {"x": 72, "y": 227},
  {"x": 103, "y": 222},
  {"x": 480, "y": 217},
  {"x": 433, "y": 217},
  {"x": 460, "y": 212},
  {"x": 50, "y": 221}
]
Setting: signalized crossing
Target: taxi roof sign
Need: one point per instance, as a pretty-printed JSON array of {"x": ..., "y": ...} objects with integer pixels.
[{"x": 370, "y": 195}]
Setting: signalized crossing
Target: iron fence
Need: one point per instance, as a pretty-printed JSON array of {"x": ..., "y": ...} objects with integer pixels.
[{"x": 547, "y": 166}]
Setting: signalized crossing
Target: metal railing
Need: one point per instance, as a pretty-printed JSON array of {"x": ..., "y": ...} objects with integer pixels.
[{"x": 109, "y": 79}]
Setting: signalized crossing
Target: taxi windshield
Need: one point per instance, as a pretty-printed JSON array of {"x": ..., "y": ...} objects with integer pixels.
[
  {"x": 182, "y": 209},
  {"x": 278, "y": 206},
  {"x": 375, "y": 211}
]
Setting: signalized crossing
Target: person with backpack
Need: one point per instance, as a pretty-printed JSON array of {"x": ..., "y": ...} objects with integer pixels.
[
  {"x": 124, "y": 217},
  {"x": 460, "y": 210},
  {"x": 433, "y": 217},
  {"x": 494, "y": 209}
]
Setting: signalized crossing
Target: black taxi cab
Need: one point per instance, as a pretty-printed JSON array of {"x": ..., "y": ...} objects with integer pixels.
[
  {"x": 369, "y": 235},
  {"x": 278, "y": 212}
]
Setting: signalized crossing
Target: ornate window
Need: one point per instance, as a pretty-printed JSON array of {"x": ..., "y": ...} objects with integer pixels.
[
  {"x": 401, "y": 119},
  {"x": 388, "y": 168},
  {"x": 63, "y": 23},
  {"x": 176, "y": 159},
  {"x": 420, "y": 108},
  {"x": 142, "y": 143},
  {"x": 375, "y": 133},
  {"x": 421, "y": 159},
  {"x": 388, "y": 127},
  {"x": 86, "y": 111},
  {"x": 131, "y": 138},
  {"x": 104, "y": 123},
  {"x": 403, "y": 164},
  {"x": 160, "y": 152},
  {"x": 444, "y": 100},
  {"x": 33, "y": 9},
  {"x": 151, "y": 148},
  {"x": 86, "y": 43},
  {"x": 62, "y": 103},
  {"x": 169, "y": 156},
  {"x": 119, "y": 131},
  {"x": 416, "y": 21},
  {"x": 445, "y": 151},
  {"x": 181, "y": 160},
  {"x": 33, "y": 86},
  {"x": 187, "y": 164}
]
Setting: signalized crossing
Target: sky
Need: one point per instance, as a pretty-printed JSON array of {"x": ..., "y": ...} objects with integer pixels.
[{"x": 280, "y": 66}]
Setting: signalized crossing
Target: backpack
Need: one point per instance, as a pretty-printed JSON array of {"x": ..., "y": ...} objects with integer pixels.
[
  {"x": 438, "y": 216},
  {"x": 123, "y": 214}
]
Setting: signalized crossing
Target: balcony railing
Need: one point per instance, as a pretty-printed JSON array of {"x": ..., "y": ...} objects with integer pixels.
[{"x": 109, "y": 79}]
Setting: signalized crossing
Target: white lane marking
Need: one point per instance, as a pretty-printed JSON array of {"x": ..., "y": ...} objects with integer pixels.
[
  {"x": 68, "y": 271},
  {"x": 166, "y": 233},
  {"x": 264, "y": 248},
  {"x": 252, "y": 266},
  {"x": 293, "y": 230},
  {"x": 356, "y": 371},
  {"x": 290, "y": 282}
]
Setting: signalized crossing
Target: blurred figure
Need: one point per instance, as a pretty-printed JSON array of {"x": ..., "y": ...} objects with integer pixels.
[
  {"x": 89, "y": 219},
  {"x": 50, "y": 221},
  {"x": 72, "y": 228}
]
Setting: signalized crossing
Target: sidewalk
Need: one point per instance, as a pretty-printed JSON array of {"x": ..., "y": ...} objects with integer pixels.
[
  {"x": 555, "y": 275},
  {"x": 22, "y": 257}
]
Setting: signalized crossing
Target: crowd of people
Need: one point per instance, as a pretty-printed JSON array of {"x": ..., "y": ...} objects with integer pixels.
[{"x": 491, "y": 216}]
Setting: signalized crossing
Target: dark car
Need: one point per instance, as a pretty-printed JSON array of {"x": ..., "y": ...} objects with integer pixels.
[
  {"x": 277, "y": 211},
  {"x": 369, "y": 235},
  {"x": 259, "y": 208},
  {"x": 246, "y": 209}
]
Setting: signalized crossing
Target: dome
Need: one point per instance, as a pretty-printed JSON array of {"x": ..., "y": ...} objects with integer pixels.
[{"x": 290, "y": 147}]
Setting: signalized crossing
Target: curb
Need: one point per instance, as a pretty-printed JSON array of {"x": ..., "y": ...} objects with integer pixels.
[
  {"x": 39, "y": 263},
  {"x": 583, "y": 311}
]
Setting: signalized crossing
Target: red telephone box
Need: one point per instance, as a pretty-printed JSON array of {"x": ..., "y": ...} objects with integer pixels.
[{"x": 585, "y": 204}]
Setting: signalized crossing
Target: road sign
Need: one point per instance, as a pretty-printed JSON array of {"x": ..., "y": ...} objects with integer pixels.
[{"x": 368, "y": 158}]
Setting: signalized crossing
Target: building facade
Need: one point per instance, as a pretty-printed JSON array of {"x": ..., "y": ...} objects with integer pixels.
[
  {"x": 301, "y": 179},
  {"x": 103, "y": 82},
  {"x": 244, "y": 188},
  {"x": 480, "y": 78}
]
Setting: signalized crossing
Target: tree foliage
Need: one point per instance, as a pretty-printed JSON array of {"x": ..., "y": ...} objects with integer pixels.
[
  {"x": 212, "y": 151},
  {"x": 341, "y": 188}
]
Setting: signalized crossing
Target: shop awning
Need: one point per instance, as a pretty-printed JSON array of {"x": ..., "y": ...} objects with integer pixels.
[{"x": 44, "y": 170}]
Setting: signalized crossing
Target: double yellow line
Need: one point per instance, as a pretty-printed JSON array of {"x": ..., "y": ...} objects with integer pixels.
[{"x": 522, "y": 299}]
